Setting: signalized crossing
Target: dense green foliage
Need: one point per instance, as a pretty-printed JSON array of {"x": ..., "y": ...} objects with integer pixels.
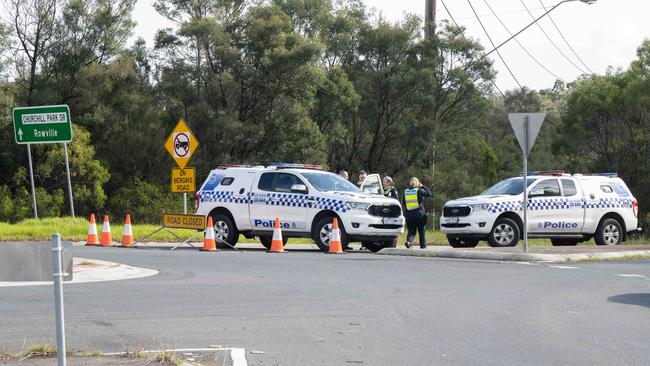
[{"x": 314, "y": 81}]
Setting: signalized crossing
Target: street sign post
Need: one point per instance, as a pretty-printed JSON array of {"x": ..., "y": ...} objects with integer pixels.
[
  {"x": 44, "y": 125},
  {"x": 181, "y": 144},
  {"x": 526, "y": 127}
]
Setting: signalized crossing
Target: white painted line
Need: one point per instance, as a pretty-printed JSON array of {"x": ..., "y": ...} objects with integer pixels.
[
  {"x": 631, "y": 275},
  {"x": 564, "y": 267},
  {"x": 238, "y": 357}
]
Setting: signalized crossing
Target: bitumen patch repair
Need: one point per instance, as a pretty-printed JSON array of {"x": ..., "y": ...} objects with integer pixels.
[{"x": 534, "y": 254}]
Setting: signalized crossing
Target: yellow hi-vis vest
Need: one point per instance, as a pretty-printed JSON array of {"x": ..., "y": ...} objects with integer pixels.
[{"x": 411, "y": 198}]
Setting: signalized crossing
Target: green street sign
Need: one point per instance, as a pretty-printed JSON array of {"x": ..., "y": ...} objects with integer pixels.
[{"x": 42, "y": 125}]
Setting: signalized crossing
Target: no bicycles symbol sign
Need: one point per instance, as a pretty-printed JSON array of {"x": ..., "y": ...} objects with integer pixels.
[{"x": 181, "y": 144}]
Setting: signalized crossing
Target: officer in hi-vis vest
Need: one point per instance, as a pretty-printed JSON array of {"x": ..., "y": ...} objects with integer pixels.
[{"x": 416, "y": 218}]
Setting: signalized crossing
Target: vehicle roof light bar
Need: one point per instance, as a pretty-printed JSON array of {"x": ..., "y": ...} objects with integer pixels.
[
  {"x": 296, "y": 166},
  {"x": 226, "y": 166},
  {"x": 557, "y": 173},
  {"x": 609, "y": 175}
]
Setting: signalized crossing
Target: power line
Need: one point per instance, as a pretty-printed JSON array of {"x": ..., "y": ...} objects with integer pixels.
[
  {"x": 521, "y": 45},
  {"x": 492, "y": 43},
  {"x": 463, "y": 33},
  {"x": 550, "y": 40},
  {"x": 565, "y": 40},
  {"x": 500, "y": 13}
]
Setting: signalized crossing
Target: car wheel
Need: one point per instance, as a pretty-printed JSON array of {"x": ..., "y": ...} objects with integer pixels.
[
  {"x": 505, "y": 233},
  {"x": 609, "y": 232},
  {"x": 225, "y": 230},
  {"x": 267, "y": 240},
  {"x": 375, "y": 246},
  {"x": 321, "y": 234},
  {"x": 462, "y": 243},
  {"x": 564, "y": 242}
]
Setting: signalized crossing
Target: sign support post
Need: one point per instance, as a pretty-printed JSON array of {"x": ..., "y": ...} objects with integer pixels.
[
  {"x": 526, "y": 127},
  {"x": 57, "y": 267},
  {"x": 525, "y": 183},
  {"x": 67, "y": 170},
  {"x": 31, "y": 179},
  {"x": 185, "y": 203}
]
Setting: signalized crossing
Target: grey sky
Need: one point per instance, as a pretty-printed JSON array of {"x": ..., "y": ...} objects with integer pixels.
[{"x": 604, "y": 34}]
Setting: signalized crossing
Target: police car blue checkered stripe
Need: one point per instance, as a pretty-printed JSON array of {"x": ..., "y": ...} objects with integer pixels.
[
  {"x": 277, "y": 199},
  {"x": 560, "y": 203}
]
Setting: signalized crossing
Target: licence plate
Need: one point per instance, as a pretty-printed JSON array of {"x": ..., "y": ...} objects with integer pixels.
[
  {"x": 391, "y": 220},
  {"x": 451, "y": 220}
]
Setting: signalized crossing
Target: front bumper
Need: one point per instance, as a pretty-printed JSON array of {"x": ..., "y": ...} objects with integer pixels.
[
  {"x": 364, "y": 227},
  {"x": 474, "y": 225}
]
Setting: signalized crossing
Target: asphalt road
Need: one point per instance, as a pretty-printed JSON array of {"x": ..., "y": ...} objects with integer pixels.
[{"x": 308, "y": 308}]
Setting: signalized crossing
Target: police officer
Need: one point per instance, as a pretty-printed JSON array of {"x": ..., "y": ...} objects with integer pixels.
[
  {"x": 416, "y": 218},
  {"x": 389, "y": 188}
]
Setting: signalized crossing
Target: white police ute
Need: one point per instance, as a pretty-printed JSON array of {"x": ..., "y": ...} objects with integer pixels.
[
  {"x": 568, "y": 209},
  {"x": 247, "y": 199}
]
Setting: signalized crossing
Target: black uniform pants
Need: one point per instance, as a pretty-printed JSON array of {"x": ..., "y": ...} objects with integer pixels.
[{"x": 415, "y": 222}]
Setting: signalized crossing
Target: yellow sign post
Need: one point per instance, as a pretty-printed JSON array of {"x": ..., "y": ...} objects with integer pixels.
[
  {"x": 183, "y": 180},
  {"x": 181, "y": 144}
]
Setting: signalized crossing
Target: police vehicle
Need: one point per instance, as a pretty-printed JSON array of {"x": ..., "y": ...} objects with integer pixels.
[
  {"x": 568, "y": 209},
  {"x": 247, "y": 199}
]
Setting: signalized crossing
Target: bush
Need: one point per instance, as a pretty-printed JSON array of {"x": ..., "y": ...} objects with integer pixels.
[
  {"x": 145, "y": 202},
  {"x": 17, "y": 206}
]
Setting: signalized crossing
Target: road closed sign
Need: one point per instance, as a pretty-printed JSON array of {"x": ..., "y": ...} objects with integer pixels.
[
  {"x": 181, "y": 144},
  {"x": 180, "y": 221},
  {"x": 183, "y": 180}
]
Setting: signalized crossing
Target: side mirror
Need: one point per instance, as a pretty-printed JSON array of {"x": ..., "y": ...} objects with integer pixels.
[
  {"x": 535, "y": 193},
  {"x": 299, "y": 188}
]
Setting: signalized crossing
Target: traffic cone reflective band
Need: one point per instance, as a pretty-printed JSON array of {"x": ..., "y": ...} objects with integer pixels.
[
  {"x": 209, "y": 244},
  {"x": 335, "y": 239},
  {"x": 277, "y": 246},
  {"x": 92, "y": 232},
  {"x": 106, "y": 239},
  {"x": 127, "y": 235}
]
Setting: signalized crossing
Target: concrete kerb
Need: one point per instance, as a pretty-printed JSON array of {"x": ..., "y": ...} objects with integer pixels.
[
  {"x": 511, "y": 257},
  {"x": 94, "y": 270}
]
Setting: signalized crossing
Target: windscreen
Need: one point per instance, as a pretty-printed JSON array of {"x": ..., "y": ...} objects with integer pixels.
[
  {"x": 329, "y": 182},
  {"x": 510, "y": 187}
]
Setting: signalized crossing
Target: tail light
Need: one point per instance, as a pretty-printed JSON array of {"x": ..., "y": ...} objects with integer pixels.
[
  {"x": 197, "y": 201},
  {"x": 635, "y": 208}
]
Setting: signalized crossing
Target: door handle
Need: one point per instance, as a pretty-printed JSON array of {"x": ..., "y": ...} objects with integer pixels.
[{"x": 310, "y": 202}]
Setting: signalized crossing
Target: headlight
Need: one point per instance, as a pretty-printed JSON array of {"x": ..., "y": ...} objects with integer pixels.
[
  {"x": 358, "y": 206},
  {"x": 480, "y": 207}
]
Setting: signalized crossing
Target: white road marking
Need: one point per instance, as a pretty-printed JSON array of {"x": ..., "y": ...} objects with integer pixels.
[
  {"x": 237, "y": 355},
  {"x": 631, "y": 275},
  {"x": 564, "y": 267}
]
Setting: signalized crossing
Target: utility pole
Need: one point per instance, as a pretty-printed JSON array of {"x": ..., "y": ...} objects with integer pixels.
[{"x": 429, "y": 18}]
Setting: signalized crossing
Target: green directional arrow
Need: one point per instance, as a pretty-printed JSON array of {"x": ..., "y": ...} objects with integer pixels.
[{"x": 42, "y": 125}]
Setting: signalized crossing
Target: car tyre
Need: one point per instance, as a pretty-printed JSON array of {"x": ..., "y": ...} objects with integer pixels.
[
  {"x": 609, "y": 232},
  {"x": 505, "y": 233},
  {"x": 225, "y": 230},
  {"x": 267, "y": 240},
  {"x": 564, "y": 242},
  {"x": 321, "y": 231},
  {"x": 462, "y": 243}
]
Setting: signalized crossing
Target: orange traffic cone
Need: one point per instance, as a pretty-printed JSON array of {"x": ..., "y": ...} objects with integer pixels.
[
  {"x": 277, "y": 246},
  {"x": 92, "y": 232},
  {"x": 127, "y": 235},
  {"x": 335, "y": 239},
  {"x": 106, "y": 239},
  {"x": 209, "y": 244}
]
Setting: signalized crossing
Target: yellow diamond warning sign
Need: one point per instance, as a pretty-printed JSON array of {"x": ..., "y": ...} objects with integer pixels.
[
  {"x": 181, "y": 144},
  {"x": 183, "y": 180}
]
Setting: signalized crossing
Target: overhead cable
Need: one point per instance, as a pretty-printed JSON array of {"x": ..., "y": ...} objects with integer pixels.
[
  {"x": 550, "y": 40},
  {"x": 461, "y": 30},
  {"x": 565, "y": 40},
  {"x": 521, "y": 45},
  {"x": 493, "y": 45}
]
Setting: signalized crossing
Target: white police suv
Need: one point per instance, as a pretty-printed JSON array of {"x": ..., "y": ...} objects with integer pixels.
[
  {"x": 568, "y": 209},
  {"x": 247, "y": 199}
]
